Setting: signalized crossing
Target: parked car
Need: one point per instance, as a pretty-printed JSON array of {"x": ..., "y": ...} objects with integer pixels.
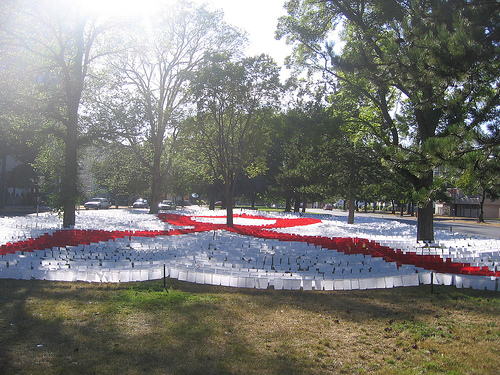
[
  {"x": 97, "y": 203},
  {"x": 328, "y": 207},
  {"x": 141, "y": 203},
  {"x": 166, "y": 205}
]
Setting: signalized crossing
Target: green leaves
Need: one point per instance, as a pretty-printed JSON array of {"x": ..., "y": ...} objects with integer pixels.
[{"x": 428, "y": 70}]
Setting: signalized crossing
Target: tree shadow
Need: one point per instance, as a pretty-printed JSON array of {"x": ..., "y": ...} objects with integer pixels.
[{"x": 57, "y": 327}]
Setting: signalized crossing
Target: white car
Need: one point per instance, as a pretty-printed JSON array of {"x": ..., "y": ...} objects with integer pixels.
[
  {"x": 141, "y": 203},
  {"x": 166, "y": 205},
  {"x": 97, "y": 203}
]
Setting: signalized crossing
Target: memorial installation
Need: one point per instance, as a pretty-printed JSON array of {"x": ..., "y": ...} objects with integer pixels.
[{"x": 262, "y": 250}]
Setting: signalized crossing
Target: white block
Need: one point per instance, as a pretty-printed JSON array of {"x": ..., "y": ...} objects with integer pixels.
[
  {"x": 425, "y": 277},
  {"x": 296, "y": 283},
  {"x": 199, "y": 278},
  {"x": 307, "y": 284},
  {"x": 338, "y": 284},
  {"x": 216, "y": 279},
  {"x": 208, "y": 279},
  {"x": 410, "y": 280},
  {"x": 174, "y": 272},
  {"x": 124, "y": 276},
  {"x": 398, "y": 281},
  {"x": 380, "y": 283},
  {"x": 389, "y": 281},
  {"x": 278, "y": 283},
  {"x": 191, "y": 276},
  {"x": 261, "y": 283},
  {"x": 237, "y": 281},
  {"x": 249, "y": 282},
  {"x": 224, "y": 280}
]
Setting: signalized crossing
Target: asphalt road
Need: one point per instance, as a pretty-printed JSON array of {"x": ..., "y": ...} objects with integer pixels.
[{"x": 464, "y": 226}]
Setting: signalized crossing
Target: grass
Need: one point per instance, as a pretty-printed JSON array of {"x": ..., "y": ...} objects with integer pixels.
[{"x": 137, "y": 328}]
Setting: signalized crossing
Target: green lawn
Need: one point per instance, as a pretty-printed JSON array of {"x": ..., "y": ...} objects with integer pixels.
[{"x": 141, "y": 328}]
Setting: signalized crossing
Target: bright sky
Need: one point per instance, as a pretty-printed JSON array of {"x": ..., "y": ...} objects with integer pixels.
[{"x": 259, "y": 19}]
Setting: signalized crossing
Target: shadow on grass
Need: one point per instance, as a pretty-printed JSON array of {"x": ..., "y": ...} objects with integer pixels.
[{"x": 136, "y": 328}]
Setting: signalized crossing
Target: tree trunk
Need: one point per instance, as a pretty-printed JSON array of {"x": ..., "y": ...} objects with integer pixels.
[
  {"x": 288, "y": 204},
  {"x": 480, "y": 219},
  {"x": 425, "y": 222},
  {"x": 155, "y": 180},
  {"x": 70, "y": 180},
  {"x": 74, "y": 82},
  {"x": 229, "y": 205},
  {"x": 352, "y": 204},
  {"x": 296, "y": 206}
]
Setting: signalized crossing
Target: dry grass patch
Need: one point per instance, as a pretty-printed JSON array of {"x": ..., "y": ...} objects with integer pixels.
[{"x": 137, "y": 328}]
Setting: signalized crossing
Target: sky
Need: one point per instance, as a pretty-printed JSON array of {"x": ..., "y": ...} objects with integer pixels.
[{"x": 259, "y": 19}]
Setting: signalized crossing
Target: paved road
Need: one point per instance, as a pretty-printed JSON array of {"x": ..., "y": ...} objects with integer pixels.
[{"x": 465, "y": 226}]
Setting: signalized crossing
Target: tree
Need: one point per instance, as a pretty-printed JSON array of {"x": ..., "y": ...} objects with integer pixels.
[
  {"x": 479, "y": 172},
  {"x": 299, "y": 163},
  {"x": 119, "y": 172},
  {"x": 356, "y": 168},
  {"x": 429, "y": 68},
  {"x": 55, "y": 41},
  {"x": 150, "y": 95},
  {"x": 231, "y": 127}
]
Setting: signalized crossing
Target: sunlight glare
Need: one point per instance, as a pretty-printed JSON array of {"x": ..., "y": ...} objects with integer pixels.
[{"x": 120, "y": 7}]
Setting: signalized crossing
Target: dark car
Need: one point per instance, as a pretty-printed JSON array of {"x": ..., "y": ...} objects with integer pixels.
[
  {"x": 183, "y": 203},
  {"x": 328, "y": 207},
  {"x": 97, "y": 203},
  {"x": 141, "y": 203},
  {"x": 166, "y": 205}
]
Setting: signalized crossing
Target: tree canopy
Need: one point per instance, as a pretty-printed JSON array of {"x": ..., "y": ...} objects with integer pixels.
[
  {"x": 231, "y": 127},
  {"x": 429, "y": 69}
]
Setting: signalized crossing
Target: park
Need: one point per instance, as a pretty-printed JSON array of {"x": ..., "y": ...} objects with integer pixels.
[
  {"x": 182, "y": 176},
  {"x": 92, "y": 323}
]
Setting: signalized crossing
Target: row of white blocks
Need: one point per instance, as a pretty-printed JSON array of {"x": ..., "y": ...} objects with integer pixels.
[
  {"x": 222, "y": 259},
  {"x": 259, "y": 281},
  {"x": 460, "y": 281},
  {"x": 477, "y": 252}
]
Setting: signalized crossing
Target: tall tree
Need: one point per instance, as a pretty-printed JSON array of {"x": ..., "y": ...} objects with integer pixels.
[
  {"x": 231, "y": 128},
  {"x": 300, "y": 142},
  {"x": 55, "y": 41},
  {"x": 430, "y": 68},
  {"x": 153, "y": 81}
]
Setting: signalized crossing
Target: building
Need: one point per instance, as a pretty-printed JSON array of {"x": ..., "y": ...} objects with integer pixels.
[{"x": 462, "y": 205}]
